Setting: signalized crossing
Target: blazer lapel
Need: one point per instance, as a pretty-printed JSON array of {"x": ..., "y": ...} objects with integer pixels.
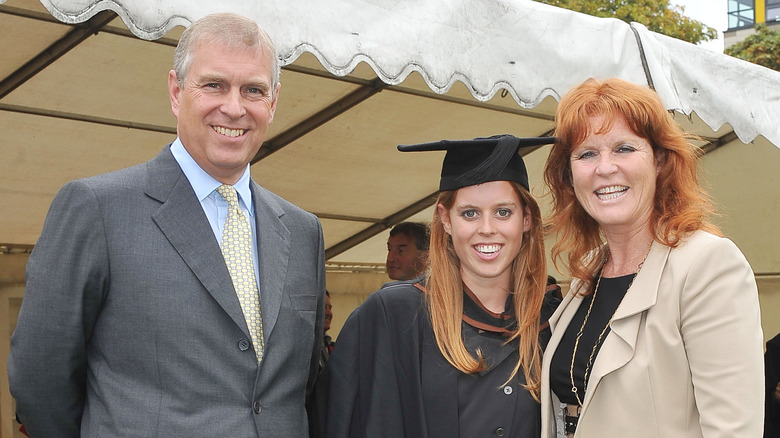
[
  {"x": 620, "y": 344},
  {"x": 182, "y": 221},
  {"x": 559, "y": 320},
  {"x": 273, "y": 246}
]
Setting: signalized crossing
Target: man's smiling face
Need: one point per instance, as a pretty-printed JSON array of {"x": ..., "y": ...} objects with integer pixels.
[{"x": 224, "y": 107}]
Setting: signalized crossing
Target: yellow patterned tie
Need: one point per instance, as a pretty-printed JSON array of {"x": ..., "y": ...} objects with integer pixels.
[{"x": 237, "y": 250}]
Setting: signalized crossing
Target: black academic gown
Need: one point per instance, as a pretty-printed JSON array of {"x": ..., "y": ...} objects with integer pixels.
[{"x": 387, "y": 378}]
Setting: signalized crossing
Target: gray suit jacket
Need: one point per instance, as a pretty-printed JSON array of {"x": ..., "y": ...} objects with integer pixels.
[{"x": 130, "y": 326}]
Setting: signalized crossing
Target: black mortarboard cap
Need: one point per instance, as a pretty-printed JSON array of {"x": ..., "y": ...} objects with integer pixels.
[{"x": 477, "y": 161}]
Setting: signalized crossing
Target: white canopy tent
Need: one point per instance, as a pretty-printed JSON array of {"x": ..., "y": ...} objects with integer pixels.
[
  {"x": 529, "y": 49},
  {"x": 83, "y": 91}
]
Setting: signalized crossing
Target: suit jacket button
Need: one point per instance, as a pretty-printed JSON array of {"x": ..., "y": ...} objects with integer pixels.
[
  {"x": 256, "y": 407},
  {"x": 500, "y": 431},
  {"x": 508, "y": 390},
  {"x": 243, "y": 344}
]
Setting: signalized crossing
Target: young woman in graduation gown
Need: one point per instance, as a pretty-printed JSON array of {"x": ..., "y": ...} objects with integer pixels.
[{"x": 458, "y": 355}]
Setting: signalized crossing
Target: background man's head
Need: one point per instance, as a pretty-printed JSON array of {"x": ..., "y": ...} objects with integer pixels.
[{"x": 407, "y": 251}]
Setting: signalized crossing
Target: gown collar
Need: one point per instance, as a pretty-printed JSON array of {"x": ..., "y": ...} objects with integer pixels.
[{"x": 478, "y": 316}]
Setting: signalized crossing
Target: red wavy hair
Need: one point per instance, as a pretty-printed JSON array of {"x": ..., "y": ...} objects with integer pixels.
[{"x": 681, "y": 206}]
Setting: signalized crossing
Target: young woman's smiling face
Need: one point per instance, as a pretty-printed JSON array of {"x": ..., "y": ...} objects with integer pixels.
[{"x": 486, "y": 223}]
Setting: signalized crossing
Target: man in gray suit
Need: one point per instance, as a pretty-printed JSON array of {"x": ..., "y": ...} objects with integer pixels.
[{"x": 130, "y": 325}]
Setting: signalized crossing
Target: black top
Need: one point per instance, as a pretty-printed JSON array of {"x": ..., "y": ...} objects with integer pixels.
[
  {"x": 610, "y": 294},
  {"x": 387, "y": 378},
  {"x": 772, "y": 367}
]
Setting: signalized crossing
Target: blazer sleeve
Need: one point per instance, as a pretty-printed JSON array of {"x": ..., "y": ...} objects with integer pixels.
[
  {"x": 312, "y": 409},
  {"x": 66, "y": 278},
  {"x": 720, "y": 324},
  {"x": 319, "y": 327}
]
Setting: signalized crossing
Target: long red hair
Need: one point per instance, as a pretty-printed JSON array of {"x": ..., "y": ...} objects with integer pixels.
[
  {"x": 681, "y": 206},
  {"x": 529, "y": 281}
]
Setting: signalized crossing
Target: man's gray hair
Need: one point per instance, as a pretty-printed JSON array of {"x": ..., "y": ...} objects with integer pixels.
[{"x": 229, "y": 29}]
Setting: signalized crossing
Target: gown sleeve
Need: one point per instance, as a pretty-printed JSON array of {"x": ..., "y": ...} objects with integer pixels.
[{"x": 368, "y": 386}]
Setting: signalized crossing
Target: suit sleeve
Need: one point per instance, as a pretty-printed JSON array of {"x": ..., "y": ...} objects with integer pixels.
[
  {"x": 320, "y": 318},
  {"x": 721, "y": 328},
  {"x": 66, "y": 278},
  {"x": 311, "y": 404}
]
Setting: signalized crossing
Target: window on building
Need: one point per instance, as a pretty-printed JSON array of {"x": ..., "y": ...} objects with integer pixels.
[
  {"x": 742, "y": 13},
  {"x": 772, "y": 10}
]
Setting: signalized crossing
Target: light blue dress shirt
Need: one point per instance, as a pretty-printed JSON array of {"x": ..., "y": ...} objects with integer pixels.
[{"x": 214, "y": 205}]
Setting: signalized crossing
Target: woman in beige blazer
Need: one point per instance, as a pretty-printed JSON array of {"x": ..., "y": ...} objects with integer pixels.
[{"x": 660, "y": 334}]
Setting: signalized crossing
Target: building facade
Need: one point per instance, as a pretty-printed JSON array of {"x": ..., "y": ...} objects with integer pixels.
[{"x": 745, "y": 14}]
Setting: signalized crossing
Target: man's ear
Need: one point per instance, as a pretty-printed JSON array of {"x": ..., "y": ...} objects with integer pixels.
[
  {"x": 174, "y": 90},
  {"x": 276, "y": 99}
]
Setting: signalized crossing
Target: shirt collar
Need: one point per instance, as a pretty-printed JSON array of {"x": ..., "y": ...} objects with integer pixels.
[{"x": 204, "y": 184}]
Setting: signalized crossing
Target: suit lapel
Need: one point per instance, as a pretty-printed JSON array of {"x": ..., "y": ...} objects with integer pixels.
[
  {"x": 182, "y": 221},
  {"x": 620, "y": 344},
  {"x": 273, "y": 246}
]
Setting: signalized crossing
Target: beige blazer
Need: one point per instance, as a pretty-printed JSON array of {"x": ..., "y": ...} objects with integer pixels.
[{"x": 684, "y": 355}]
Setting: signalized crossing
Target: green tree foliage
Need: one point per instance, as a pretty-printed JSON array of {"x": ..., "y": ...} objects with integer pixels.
[
  {"x": 657, "y": 15},
  {"x": 762, "y": 48}
]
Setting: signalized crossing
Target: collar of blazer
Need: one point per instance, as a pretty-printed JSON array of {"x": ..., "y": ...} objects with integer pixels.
[{"x": 619, "y": 348}]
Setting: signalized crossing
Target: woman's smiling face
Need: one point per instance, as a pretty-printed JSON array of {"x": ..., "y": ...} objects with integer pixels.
[
  {"x": 614, "y": 175},
  {"x": 486, "y": 223}
]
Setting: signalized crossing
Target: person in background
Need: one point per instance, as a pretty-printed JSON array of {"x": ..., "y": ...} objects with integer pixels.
[
  {"x": 327, "y": 341},
  {"x": 326, "y": 348},
  {"x": 459, "y": 353},
  {"x": 407, "y": 251},
  {"x": 772, "y": 394},
  {"x": 660, "y": 333},
  {"x": 178, "y": 297}
]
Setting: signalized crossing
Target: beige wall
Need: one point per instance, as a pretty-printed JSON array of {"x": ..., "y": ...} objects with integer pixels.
[
  {"x": 347, "y": 291},
  {"x": 11, "y": 291}
]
